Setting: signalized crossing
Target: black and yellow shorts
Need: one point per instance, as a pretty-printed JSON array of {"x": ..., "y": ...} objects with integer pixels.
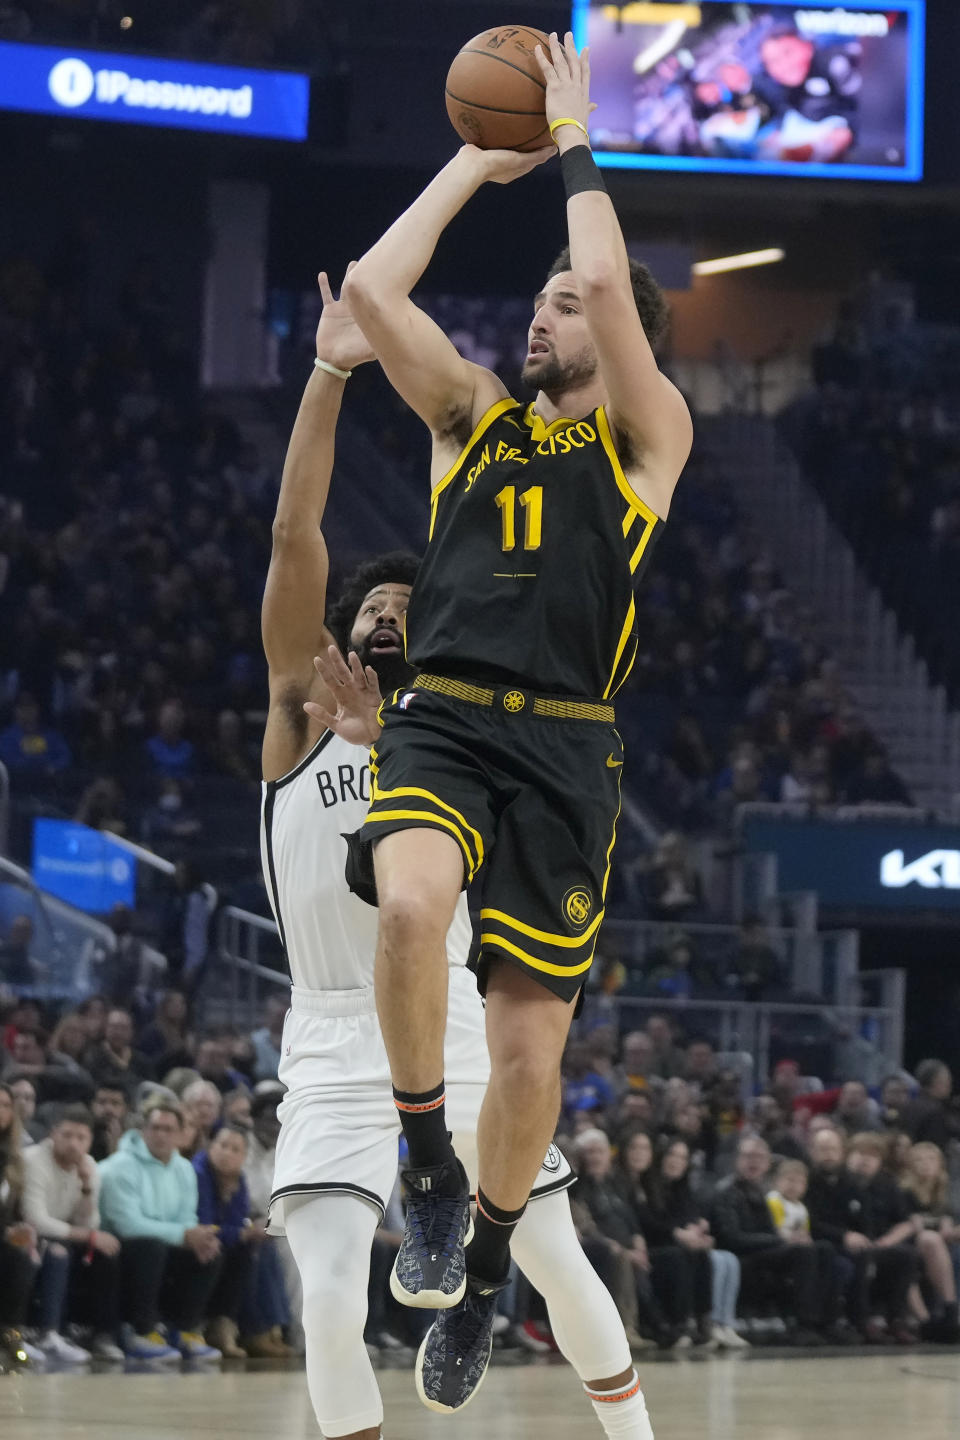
[{"x": 529, "y": 787}]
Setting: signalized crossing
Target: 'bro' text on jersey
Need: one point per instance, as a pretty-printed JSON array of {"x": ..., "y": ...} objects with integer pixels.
[{"x": 347, "y": 784}]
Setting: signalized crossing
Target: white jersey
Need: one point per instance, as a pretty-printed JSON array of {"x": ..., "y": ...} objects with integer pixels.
[{"x": 329, "y": 935}]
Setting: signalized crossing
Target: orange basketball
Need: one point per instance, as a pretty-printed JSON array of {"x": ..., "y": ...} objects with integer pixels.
[{"x": 495, "y": 91}]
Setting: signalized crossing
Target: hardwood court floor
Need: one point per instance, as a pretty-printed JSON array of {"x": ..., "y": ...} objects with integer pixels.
[{"x": 898, "y": 1397}]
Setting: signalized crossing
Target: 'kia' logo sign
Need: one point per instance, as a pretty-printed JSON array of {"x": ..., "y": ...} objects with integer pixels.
[{"x": 937, "y": 870}]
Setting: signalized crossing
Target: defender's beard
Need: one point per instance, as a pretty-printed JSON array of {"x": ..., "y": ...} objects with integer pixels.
[
  {"x": 393, "y": 669},
  {"x": 554, "y": 376}
]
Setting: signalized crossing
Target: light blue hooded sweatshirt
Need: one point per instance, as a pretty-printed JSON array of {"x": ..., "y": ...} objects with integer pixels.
[{"x": 139, "y": 1195}]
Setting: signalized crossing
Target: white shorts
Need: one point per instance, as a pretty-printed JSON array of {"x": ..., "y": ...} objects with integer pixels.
[{"x": 339, "y": 1126}]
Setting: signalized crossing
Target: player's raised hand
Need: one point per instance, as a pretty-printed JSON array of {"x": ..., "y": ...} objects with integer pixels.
[
  {"x": 340, "y": 341},
  {"x": 502, "y": 166},
  {"x": 356, "y": 693},
  {"x": 567, "y": 77}
]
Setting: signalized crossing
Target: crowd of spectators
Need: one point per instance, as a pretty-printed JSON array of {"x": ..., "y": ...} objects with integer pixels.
[
  {"x": 802, "y": 1215},
  {"x": 136, "y": 1163},
  {"x": 881, "y": 440}
]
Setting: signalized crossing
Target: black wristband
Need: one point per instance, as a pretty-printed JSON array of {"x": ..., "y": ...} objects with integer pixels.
[{"x": 580, "y": 170}]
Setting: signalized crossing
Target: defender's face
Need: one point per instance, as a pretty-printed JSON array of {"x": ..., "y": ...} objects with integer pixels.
[
  {"x": 378, "y": 629},
  {"x": 560, "y": 351}
]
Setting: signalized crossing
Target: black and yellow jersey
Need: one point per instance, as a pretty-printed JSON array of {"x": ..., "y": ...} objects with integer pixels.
[{"x": 537, "y": 545}]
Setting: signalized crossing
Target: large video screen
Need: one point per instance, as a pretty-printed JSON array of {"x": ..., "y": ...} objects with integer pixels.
[{"x": 827, "y": 91}]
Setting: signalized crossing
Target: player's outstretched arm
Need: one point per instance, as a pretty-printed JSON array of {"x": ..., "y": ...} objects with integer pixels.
[
  {"x": 294, "y": 600},
  {"x": 420, "y": 362},
  {"x": 644, "y": 406}
]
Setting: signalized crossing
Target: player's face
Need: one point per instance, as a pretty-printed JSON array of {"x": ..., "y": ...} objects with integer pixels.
[
  {"x": 560, "y": 352},
  {"x": 377, "y": 634}
]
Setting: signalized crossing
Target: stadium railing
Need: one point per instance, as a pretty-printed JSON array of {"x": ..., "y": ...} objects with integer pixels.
[
  {"x": 836, "y": 1040},
  {"x": 66, "y": 941}
]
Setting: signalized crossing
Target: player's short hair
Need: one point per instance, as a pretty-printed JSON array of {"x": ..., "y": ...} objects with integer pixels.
[
  {"x": 399, "y": 567},
  {"x": 650, "y": 301}
]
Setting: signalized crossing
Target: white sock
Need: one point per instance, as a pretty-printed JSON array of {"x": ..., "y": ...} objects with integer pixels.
[{"x": 622, "y": 1413}]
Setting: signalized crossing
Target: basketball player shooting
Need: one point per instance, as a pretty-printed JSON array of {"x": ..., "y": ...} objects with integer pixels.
[
  {"x": 337, "y": 1154},
  {"x": 502, "y": 761}
]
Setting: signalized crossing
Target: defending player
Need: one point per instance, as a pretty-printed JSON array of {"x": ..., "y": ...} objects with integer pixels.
[
  {"x": 337, "y": 1154},
  {"x": 503, "y": 757}
]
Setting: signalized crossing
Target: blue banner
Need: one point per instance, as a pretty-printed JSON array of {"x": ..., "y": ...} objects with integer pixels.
[
  {"x": 142, "y": 90},
  {"x": 84, "y": 867}
]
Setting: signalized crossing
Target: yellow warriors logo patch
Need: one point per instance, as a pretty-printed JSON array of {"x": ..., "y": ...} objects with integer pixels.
[{"x": 577, "y": 907}]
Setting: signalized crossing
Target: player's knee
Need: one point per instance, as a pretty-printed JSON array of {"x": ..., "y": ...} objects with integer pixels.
[
  {"x": 518, "y": 1066},
  {"x": 333, "y": 1314},
  {"x": 411, "y": 918}
]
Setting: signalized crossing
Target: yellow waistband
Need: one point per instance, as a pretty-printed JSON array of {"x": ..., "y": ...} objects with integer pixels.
[{"x": 516, "y": 701}]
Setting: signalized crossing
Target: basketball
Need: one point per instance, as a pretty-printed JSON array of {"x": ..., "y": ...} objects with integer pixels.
[{"x": 495, "y": 92}]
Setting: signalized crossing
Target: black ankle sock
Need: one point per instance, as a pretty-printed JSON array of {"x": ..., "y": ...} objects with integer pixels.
[
  {"x": 424, "y": 1122},
  {"x": 488, "y": 1254}
]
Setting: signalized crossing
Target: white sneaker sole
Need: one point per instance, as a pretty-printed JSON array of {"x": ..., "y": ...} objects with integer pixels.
[
  {"x": 435, "y": 1404},
  {"x": 429, "y": 1299}
]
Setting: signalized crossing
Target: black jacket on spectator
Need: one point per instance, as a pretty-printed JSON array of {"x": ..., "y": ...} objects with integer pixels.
[
  {"x": 741, "y": 1221},
  {"x": 667, "y": 1208},
  {"x": 612, "y": 1212},
  {"x": 884, "y": 1205},
  {"x": 925, "y": 1118},
  {"x": 835, "y": 1203}
]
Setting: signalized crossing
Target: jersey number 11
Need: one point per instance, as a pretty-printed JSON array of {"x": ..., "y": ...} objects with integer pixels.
[{"x": 531, "y": 502}]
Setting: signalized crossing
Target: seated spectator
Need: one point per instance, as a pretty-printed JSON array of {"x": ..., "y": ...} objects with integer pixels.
[
  {"x": 170, "y": 817},
  {"x": 771, "y": 1123},
  {"x": 670, "y": 974},
  {"x": 68, "y": 1045},
  {"x": 80, "y": 1261},
  {"x": 166, "y": 1041},
  {"x": 131, "y": 973},
  {"x": 103, "y": 807},
  {"x": 613, "y": 1222},
  {"x": 203, "y": 1109},
  {"x": 583, "y": 1088},
  {"x": 666, "y": 1060},
  {"x": 875, "y": 783},
  {"x": 674, "y": 890},
  {"x": 267, "y": 1039},
  {"x": 224, "y": 1203},
  {"x": 926, "y": 1185},
  {"x": 170, "y": 1263},
  {"x": 24, "y": 1094},
  {"x": 28, "y": 1057},
  {"x": 885, "y": 1217},
  {"x": 894, "y": 1099},
  {"x": 30, "y": 749},
  {"x": 700, "y": 1068},
  {"x": 18, "y": 967},
  {"x": 213, "y": 1061},
  {"x": 635, "y": 1112},
  {"x": 689, "y": 1121},
  {"x": 236, "y": 1107},
  {"x": 855, "y": 1112},
  {"x": 109, "y": 1108},
  {"x": 94, "y": 1014},
  {"x": 114, "y": 1060},
  {"x": 18, "y": 1254},
  {"x": 797, "y": 1271},
  {"x": 785, "y": 1200},
  {"x": 756, "y": 970},
  {"x": 688, "y": 1280},
  {"x": 636, "y": 1060},
  {"x": 933, "y": 1114},
  {"x": 170, "y": 753}
]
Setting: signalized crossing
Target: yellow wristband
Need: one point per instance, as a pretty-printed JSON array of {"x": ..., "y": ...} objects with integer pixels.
[{"x": 568, "y": 120}]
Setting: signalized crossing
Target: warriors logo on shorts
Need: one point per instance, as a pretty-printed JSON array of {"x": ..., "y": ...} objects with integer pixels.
[{"x": 577, "y": 907}]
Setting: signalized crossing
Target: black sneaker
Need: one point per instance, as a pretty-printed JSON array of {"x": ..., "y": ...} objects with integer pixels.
[
  {"x": 429, "y": 1272},
  {"x": 455, "y": 1353}
]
